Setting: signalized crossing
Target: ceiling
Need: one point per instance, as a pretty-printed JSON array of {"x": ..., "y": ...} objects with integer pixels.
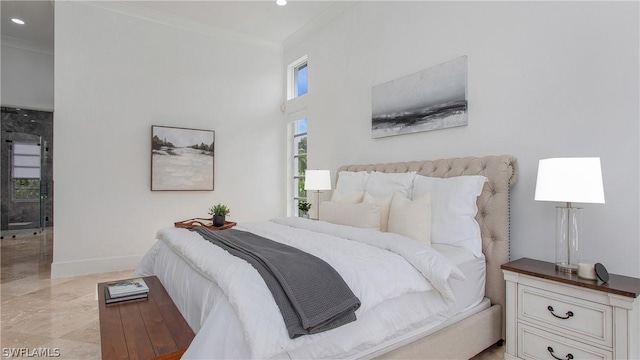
[
  {"x": 38, "y": 18},
  {"x": 263, "y": 20}
]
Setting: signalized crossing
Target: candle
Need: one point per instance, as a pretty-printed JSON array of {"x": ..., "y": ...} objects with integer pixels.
[{"x": 586, "y": 271}]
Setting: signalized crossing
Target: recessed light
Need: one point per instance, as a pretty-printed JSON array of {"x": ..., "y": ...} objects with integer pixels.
[
  {"x": 17, "y": 21},
  {"x": 281, "y": 2}
]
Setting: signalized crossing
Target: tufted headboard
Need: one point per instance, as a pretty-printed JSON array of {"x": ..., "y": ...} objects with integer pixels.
[{"x": 493, "y": 204}]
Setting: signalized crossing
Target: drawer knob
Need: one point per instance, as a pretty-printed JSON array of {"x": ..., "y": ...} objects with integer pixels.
[
  {"x": 568, "y": 315},
  {"x": 568, "y": 357}
]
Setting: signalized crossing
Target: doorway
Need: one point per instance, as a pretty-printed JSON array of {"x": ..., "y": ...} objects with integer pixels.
[{"x": 26, "y": 183}]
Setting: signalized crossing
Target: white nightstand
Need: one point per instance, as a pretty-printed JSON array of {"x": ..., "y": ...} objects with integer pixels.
[{"x": 558, "y": 315}]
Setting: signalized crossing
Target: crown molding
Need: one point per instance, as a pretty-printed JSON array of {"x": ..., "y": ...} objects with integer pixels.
[
  {"x": 320, "y": 21},
  {"x": 129, "y": 8},
  {"x": 26, "y": 45}
]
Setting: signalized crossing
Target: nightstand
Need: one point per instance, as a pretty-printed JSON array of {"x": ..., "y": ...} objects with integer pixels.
[{"x": 557, "y": 315}]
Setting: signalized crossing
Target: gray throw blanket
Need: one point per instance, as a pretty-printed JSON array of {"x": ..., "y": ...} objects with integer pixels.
[{"x": 311, "y": 295}]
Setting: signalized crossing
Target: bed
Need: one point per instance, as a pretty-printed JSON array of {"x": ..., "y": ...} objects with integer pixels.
[{"x": 210, "y": 296}]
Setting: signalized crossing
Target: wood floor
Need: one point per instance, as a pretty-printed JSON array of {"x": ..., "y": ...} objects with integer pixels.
[{"x": 62, "y": 314}]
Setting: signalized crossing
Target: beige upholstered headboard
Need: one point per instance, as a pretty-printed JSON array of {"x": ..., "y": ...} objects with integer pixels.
[{"x": 493, "y": 204}]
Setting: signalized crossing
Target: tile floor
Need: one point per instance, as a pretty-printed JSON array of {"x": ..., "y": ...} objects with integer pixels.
[{"x": 39, "y": 312}]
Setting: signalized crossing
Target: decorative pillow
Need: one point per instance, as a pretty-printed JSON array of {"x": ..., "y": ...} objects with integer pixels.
[
  {"x": 350, "y": 182},
  {"x": 362, "y": 215},
  {"x": 382, "y": 185},
  {"x": 453, "y": 209},
  {"x": 353, "y": 198},
  {"x": 384, "y": 204},
  {"x": 411, "y": 218}
]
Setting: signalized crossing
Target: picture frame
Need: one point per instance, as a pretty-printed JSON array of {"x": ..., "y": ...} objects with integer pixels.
[
  {"x": 431, "y": 99},
  {"x": 182, "y": 159}
]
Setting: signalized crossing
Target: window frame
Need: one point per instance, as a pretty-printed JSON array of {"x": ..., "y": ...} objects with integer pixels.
[{"x": 294, "y": 109}]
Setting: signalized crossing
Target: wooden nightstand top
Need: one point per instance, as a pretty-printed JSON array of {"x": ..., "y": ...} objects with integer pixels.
[{"x": 618, "y": 284}]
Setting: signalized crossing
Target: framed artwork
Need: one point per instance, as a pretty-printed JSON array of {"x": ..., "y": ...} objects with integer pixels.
[
  {"x": 432, "y": 99},
  {"x": 181, "y": 159}
]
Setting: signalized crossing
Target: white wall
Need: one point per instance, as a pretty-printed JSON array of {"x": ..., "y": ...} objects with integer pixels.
[
  {"x": 545, "y": 79},
  {"x": 116, "y": 75},
  {"x": 27, "y": 75}
]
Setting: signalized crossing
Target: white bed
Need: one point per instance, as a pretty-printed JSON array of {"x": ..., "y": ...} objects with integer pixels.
[{"x": 391, "y": 322}]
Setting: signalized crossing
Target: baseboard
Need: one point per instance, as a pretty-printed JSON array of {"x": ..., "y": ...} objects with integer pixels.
[{"x": 64, "y": 269}]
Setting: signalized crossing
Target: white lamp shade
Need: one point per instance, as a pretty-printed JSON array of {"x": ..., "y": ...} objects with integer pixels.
[
  {"x": 317, "y": 180},
  {"x": 570, "y": 180}
]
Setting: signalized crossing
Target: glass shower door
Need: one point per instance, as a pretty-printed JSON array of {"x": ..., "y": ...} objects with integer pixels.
[{"x": 24, "y": 193}]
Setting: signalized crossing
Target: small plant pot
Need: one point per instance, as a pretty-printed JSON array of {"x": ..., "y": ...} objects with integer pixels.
[{"x": 218, "y": 220}]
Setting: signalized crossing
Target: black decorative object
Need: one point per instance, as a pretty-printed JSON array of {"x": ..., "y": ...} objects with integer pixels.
[
  {"x": 602, "y": 273},
  {"x": 218, "y": 220}
]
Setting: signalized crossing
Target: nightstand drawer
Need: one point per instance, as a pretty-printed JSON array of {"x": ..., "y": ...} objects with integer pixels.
[
  {"x": 579, "y": 319},
  {"x": 534, "y": 343}
]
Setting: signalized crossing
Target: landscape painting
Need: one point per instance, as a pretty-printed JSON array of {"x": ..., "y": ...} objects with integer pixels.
[
  {"x": 181, "y": 159},
  {"x": 432, "y": 99}
]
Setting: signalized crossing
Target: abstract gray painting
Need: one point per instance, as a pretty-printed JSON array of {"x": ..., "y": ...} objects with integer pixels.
[
  {"x": 432, "y": 99},
  {"x": 181, "y": 159}
]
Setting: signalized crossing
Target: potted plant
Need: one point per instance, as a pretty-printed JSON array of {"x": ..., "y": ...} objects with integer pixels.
[
  {"x": 219, "y": 213},
  {"x": 304, "y": 207}
]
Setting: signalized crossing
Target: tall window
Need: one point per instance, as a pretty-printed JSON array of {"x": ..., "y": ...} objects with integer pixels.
[
  {"x": 299, "y": 161},
  {"x": 296, "y": 113},
  {"x": 25, "y": 171}
]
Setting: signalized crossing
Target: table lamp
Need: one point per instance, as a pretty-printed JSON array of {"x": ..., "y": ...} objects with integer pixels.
[
  {"x": 569, "y": 180},
  {"x": 317, "y": 180}
]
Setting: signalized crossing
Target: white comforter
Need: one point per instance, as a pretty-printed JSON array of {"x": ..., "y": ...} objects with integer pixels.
[{"x": 378, "y": 267}]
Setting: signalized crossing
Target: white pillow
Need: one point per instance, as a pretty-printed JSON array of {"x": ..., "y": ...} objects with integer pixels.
[
  {"x": 353, "y": 198},
  {"x": 453, "y": 209},
  {"x": 350, "y": 182},
  {"x": 382, "y": 185},
  {"x": 411, "y": 218},
  {"x": 362, "y": 215},
  {"x": 384, "y": 204}
]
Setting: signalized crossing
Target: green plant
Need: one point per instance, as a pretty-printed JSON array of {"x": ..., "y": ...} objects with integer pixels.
[
  {"x": 304, "y": 206},
  {"x": 219, "y": 210}
]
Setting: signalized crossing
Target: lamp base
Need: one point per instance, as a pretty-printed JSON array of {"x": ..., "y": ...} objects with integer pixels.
[
  {"x": 567, "y": 268},
  {"x": 568, "y": 224}
]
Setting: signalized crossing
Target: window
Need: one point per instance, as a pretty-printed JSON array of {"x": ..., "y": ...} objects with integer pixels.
[
  {"x": 297, "y": 75},
  {"x": 25, "y": 171},
  {"x": 26, "y": 189},
  {"x": 301, "y": 79},
  {"x": 296, "y": 115},
  {"x": 299, "y": 162}
]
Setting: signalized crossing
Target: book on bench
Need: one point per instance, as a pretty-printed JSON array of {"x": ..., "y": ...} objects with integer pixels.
[
  {"x": 127, "y": 287},
  {"x": 111, "y": 300}
]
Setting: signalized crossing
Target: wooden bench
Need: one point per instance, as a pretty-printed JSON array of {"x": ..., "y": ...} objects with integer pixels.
[{"x": 143, "y": 329}]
